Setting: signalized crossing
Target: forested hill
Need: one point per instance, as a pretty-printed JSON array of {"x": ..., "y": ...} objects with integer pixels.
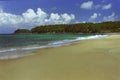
[{"x": 104, "y": 27}]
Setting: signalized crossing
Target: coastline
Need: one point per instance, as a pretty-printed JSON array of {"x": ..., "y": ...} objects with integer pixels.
[
  {"x": 95, "y": 59},
  {"x": 17, "y": 52}
]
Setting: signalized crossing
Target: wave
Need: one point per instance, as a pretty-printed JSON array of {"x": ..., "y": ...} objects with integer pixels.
[
  {"x": 14, "y": 52},
  {"x": 64, "y": 42}
]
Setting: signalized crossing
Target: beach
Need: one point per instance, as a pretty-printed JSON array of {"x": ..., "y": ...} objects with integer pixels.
[{"x": 95, "y": 59}]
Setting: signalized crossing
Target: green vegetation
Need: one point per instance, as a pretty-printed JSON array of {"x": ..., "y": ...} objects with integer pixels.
[
  {"x": 22, "y": 31},
  {"x": 104, "y": 27}
]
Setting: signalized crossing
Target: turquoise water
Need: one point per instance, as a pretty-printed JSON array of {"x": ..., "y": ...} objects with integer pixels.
[
  {"x": 19, "y": 42},
  {"x": 23, "y": 40}
]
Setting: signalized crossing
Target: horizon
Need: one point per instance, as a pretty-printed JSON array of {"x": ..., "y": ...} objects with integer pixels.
[{"x": 35, "y": 13}]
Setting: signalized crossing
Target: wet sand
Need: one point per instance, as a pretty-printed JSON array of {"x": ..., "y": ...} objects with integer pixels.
[{"x": 97, "y": 59}]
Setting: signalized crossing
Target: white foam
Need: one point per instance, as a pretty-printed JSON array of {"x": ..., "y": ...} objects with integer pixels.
[
  {"x": 64, "y": 42},
  {"x": 29, "y": 48},
  {"x": 13, "y": 55},
  {"x": 7, "y": 50},
  {"x": 92, "y": 37}
]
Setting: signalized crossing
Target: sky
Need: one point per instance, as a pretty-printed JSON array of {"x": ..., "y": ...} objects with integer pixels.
[{"x": 26, "y": 14}]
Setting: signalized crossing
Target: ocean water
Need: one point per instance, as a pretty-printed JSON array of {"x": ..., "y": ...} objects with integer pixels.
[{"x": 18, "y": 45}]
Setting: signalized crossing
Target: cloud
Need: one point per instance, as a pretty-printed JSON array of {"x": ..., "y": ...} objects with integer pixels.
[
  {"x": 94, "y": 16},
  {"x": 67, "y": 18},
  {"x": 30, "y": 19},
  {"x": 55, "y": 18},
  {"x": 108, "y": 6},
  {"x": 111, "y": 17},
  {"x": 87, "y": 5},
  {"x": 90, "y": 5}
]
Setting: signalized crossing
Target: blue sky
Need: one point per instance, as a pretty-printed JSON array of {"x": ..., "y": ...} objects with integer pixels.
[{"x": 27, "y": 14}]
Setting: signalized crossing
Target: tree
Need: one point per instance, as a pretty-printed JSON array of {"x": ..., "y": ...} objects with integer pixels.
[{"x": 22, "y": 31}]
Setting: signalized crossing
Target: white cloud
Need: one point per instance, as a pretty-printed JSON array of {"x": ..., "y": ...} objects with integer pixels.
[
  {"x": 94, "y": 16},
  {"x": 30, "y": 19},
  {"x": 55, "y": 18},
  {"x": 7, "y": 19},
  {"x": 87, "y": 5},
  {"x": 90, "y": 5},
  {"x": 105, "y": 7},
  {"x": 111, "y": 17},
  {"x": 67, "y": 18}
]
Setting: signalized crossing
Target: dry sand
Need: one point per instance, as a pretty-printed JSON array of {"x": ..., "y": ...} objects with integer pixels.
[{"x": 97, "y": 59}]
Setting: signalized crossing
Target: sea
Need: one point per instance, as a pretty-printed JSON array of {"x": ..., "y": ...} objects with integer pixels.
[{"x": 20, "y": 45}]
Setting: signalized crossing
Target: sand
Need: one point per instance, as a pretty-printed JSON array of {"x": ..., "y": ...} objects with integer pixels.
[{"x": 97, "y": 59}]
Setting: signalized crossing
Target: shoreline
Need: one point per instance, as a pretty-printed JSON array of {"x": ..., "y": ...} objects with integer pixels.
[
  {"x": 27, "y": 51},
  {"x": 97, "y": 59}
]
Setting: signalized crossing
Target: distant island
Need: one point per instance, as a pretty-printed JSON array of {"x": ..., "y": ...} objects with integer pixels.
[{"x": 104, "y": 27}]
